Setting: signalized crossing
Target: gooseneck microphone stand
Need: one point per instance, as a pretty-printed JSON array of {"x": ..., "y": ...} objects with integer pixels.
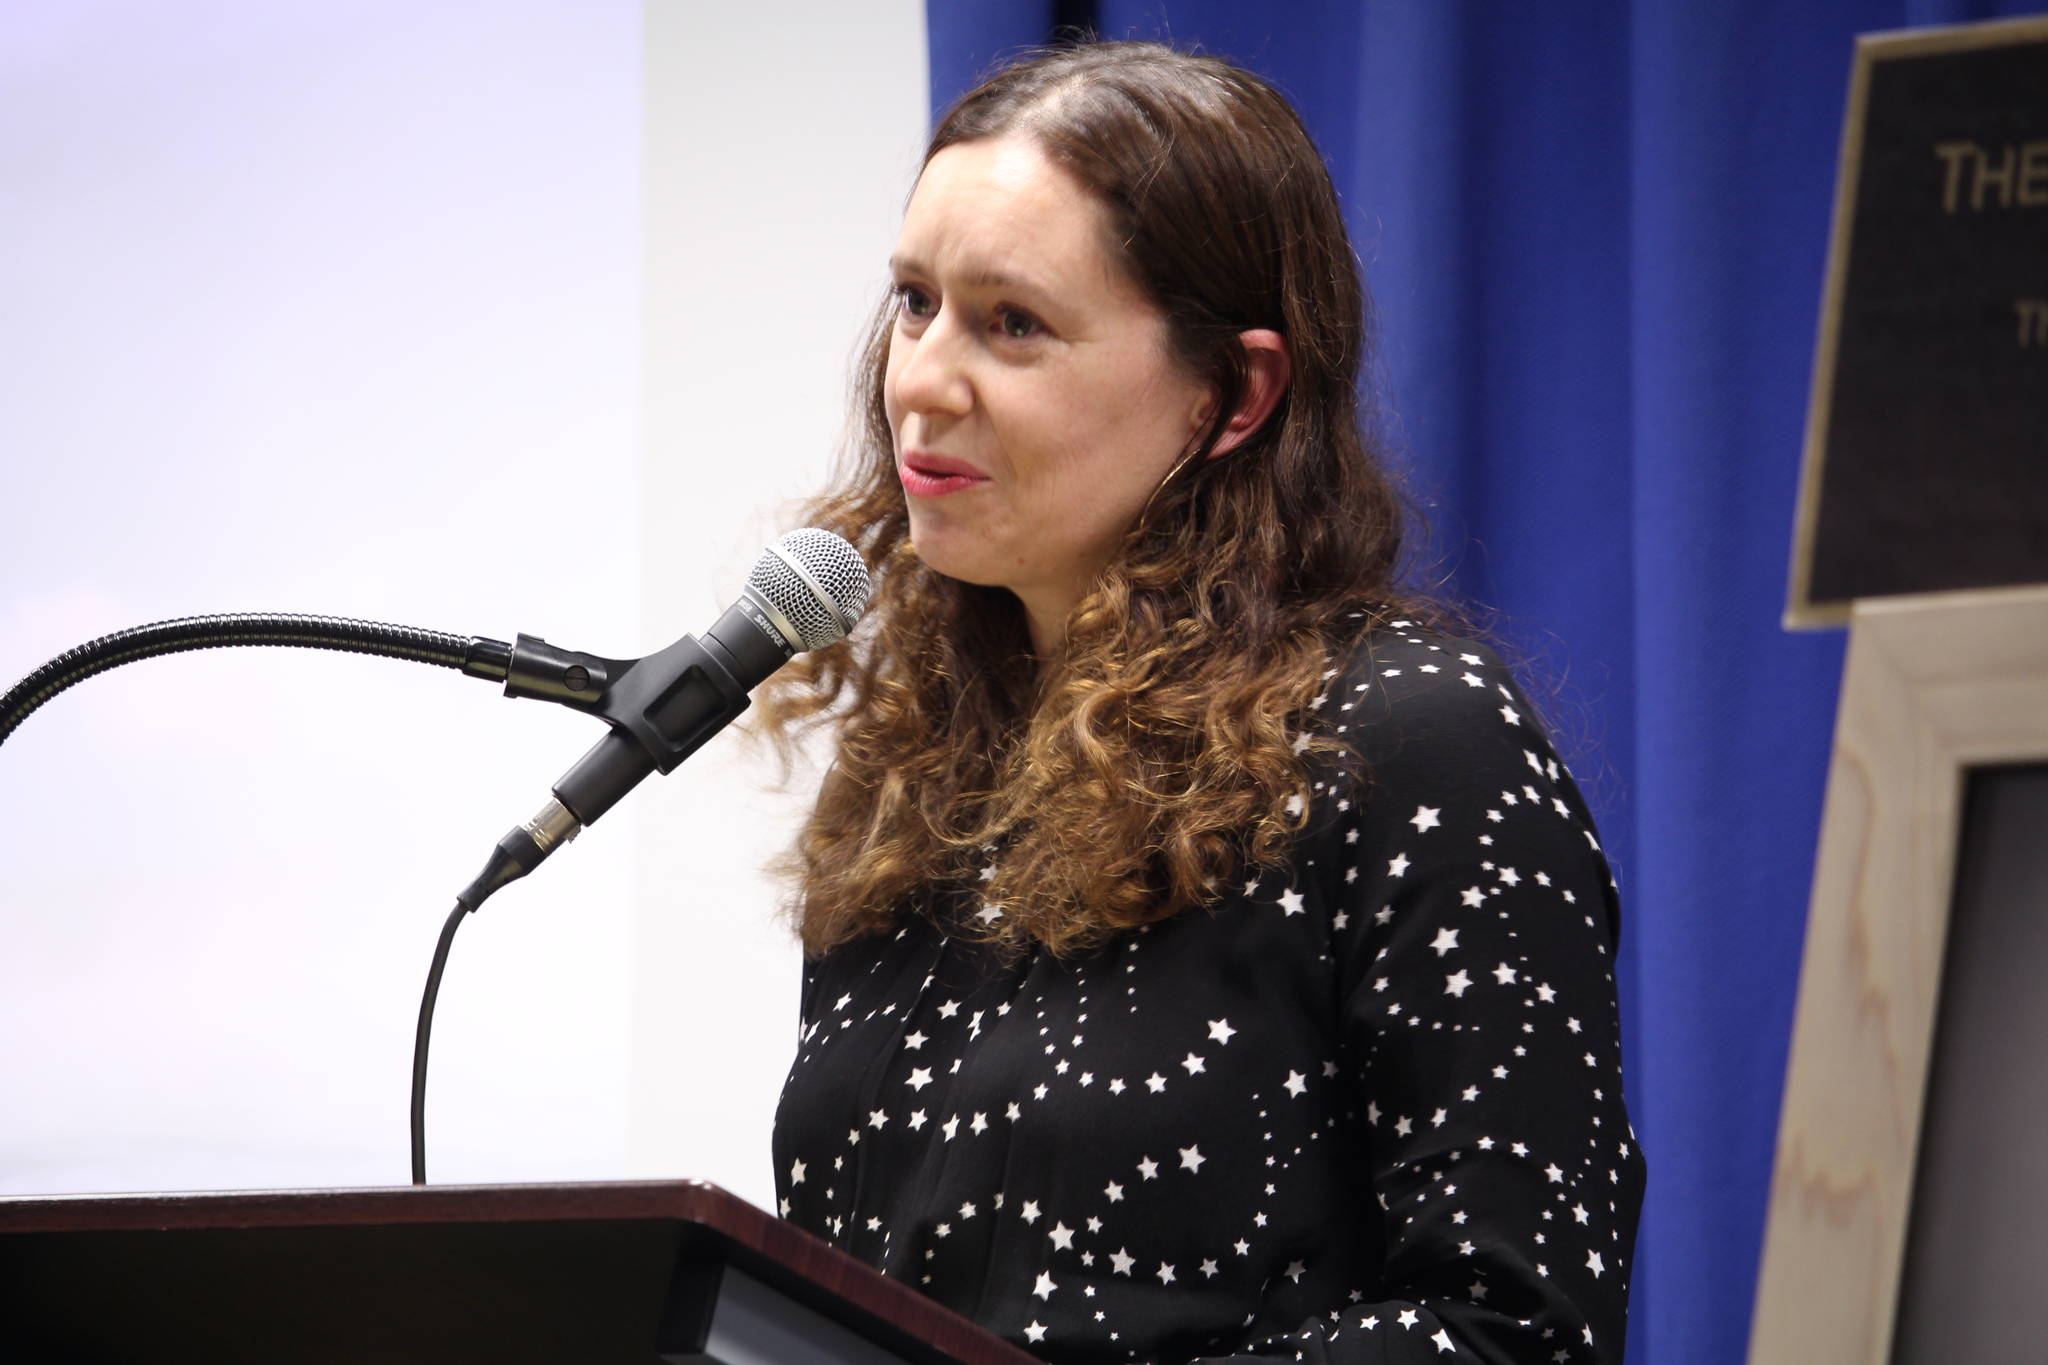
[
  {"x": 803, "y": 592},
  {"x": 476, "y": 657},
  {"x": 479, "y": 658}
]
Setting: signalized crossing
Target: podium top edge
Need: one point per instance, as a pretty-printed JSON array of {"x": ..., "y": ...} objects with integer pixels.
[{"x": 696, "y": 1200}]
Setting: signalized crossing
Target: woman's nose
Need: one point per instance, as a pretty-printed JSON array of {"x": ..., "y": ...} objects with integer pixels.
[{"x": 930, "y": 370}]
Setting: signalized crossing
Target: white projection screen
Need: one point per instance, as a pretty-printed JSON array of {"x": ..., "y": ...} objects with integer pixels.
[{"x": 528, "y": 317}]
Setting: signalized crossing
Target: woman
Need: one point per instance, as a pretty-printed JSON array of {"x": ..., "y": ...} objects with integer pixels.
[{"x": 1208, "y": 955}]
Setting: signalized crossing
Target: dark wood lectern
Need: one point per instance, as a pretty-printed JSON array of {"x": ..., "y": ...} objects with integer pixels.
[{"x": 592, "y": 1274}]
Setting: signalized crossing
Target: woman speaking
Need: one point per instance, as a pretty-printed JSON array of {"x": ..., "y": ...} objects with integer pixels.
[{"x": 1208, "y": 957}]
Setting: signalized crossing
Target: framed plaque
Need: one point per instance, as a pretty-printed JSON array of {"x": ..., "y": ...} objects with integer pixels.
[
  {"x": 1908, "y": 1193},
  {"x": 1926, "y": 460}
]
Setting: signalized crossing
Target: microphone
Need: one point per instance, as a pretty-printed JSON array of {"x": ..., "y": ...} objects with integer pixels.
[{"x": 804, "y": 592}]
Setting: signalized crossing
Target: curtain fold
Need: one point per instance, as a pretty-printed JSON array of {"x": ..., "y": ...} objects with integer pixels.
[{"x": 1595, "y": 234}]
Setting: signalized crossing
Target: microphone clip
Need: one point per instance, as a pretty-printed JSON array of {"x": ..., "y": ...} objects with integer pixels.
[{"x": 670, "y": 702}]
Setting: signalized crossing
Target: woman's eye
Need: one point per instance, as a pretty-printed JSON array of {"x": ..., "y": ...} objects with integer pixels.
[
  {"x": 913, "y": 302},
  {"x": 1017, "y": 324}
]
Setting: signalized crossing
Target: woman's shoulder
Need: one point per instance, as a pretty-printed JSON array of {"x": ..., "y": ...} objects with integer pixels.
[
  {"x": 1424, "y": 716},
  {"x": 1400, "y": 682},
  {"x": 1443, "y": 757}
]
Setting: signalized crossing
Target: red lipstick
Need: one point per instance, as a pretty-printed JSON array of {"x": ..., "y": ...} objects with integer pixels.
[{"x": 926, "y": 475}]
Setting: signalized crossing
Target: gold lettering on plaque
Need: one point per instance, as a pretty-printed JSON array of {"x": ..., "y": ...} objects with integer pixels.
[{"x": 2015, "y": 175}]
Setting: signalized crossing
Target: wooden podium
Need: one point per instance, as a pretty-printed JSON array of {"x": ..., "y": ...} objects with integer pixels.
[{"x": 589, "y": 1273}]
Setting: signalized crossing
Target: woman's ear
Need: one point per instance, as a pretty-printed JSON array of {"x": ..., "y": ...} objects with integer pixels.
[{"x": 1266, "y": 372}]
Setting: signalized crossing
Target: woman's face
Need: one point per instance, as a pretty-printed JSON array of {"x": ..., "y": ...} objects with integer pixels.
[{"x": 1033, "y": 403}]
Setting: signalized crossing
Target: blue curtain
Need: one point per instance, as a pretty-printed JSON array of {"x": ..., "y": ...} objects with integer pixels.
[{"x": 1595, "y": 234}]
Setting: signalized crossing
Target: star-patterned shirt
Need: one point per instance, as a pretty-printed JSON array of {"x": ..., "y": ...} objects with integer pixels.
[{"x": 1366, "y": 1107}]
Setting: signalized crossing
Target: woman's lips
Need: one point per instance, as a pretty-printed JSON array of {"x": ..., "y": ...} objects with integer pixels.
[{"x": 932, "y": 476}]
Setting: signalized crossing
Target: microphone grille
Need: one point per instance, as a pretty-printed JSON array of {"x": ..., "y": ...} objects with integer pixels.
[{"x": 816, "y": 580}]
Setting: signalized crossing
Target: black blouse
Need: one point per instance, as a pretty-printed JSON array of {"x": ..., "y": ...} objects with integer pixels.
[{"x": 1366, "y": 1108}]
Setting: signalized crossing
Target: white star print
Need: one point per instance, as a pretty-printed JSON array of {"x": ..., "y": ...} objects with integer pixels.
[
  {"x": 796, "y": 1173},
  {"x": 1034, "y": 1330},
  {"x": 1040, "y": 1003}
]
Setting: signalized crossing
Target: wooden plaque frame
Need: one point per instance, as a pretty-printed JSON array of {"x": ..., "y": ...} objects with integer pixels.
[{"x": 1934, "y": 686}]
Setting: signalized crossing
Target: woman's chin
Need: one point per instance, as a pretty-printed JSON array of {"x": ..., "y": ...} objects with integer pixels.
[{"x": 954, "y": 555}]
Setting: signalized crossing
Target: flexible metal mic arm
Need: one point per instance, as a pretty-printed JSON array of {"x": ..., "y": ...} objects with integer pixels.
[
  {"x": 472, "y": 655},
  {"x": 623, "y": 692}
]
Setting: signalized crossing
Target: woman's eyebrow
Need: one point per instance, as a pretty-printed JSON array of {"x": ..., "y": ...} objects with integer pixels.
[{"x": 984, "y": 277}]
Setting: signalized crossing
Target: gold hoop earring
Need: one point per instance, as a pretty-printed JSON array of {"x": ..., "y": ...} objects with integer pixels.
[{"x": 1185, "y": 460}]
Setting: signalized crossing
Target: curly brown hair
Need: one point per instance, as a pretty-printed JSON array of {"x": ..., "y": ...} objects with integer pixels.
[{"x": 1160, "y": 755}]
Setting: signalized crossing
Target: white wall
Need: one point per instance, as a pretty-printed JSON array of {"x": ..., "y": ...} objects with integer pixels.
[
  {"x": 778, "y": 160},
  {"x": 339, "y": 309}
]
